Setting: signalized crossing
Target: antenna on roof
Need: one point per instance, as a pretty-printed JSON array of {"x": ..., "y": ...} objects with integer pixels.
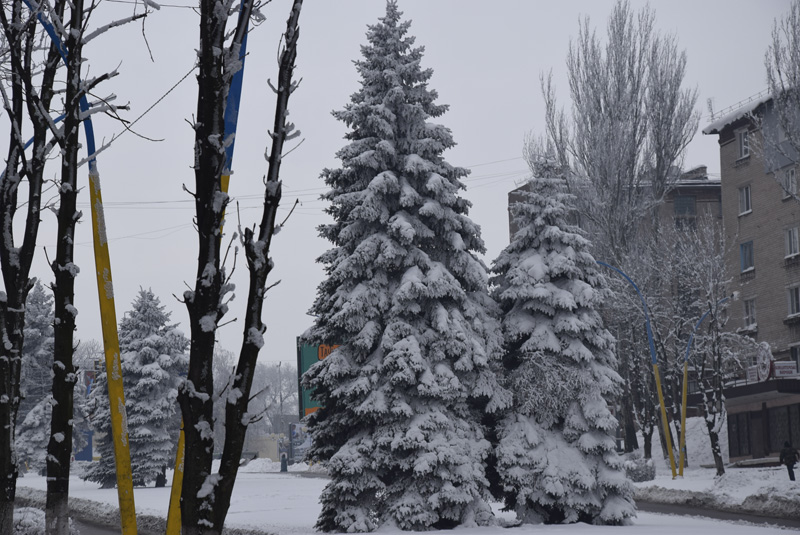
[
  {"x": 758, "y": 96},
  {"x": 710, "y": 106}
]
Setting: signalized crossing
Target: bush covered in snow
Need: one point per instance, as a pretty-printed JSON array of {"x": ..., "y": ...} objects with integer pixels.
[
  {"x": 31, "y": 521},
  {"x": 639, "y": 470}
]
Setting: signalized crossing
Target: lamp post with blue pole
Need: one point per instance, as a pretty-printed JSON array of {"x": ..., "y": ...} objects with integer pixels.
[
  {"x": 686, "y": 382},
  {"x": 654, "y": 360}
]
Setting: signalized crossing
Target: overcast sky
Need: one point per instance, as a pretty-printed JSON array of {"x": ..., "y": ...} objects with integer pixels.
[{"x": 487, "y": 57}]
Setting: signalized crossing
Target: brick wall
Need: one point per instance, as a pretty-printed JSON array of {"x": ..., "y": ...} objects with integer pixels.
[{"x": 765, "y": 225}]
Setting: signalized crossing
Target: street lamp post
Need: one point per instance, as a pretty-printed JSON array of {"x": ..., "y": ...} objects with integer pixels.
[{"x": 654, "y": 360}]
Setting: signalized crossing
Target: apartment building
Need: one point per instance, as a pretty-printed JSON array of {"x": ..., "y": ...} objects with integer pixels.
[
  {"x": 692, "y": 197},
  {"x": 761, "y": 216}
]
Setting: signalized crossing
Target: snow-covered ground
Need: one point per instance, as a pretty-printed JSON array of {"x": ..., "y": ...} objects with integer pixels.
[
  {"x": 765, "y": 491},
  {"x": 270, "y": 502},
  {"x": 758, "y": 490}
]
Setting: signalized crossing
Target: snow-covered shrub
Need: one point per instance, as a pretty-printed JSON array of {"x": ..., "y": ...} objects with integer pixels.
[
  {"x": 640, "y": 469},
  {"x": 31, "y": 521}
]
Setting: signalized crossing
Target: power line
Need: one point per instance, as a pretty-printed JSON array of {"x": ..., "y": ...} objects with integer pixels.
[
  {"x": 193, "y": 8},
  {"x": 496, "y": 161},
  {"x": 169, "y": 204}
]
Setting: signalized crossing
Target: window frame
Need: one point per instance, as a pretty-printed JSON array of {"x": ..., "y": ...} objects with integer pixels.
[
  {"x": 743, "y": 247},
  {"x": 745, "y": 200},
  {"x": 793, "y": 300},
  {"x": 789, "y": 183},
  {"x": 749, "y": 313},
  {"x": 743, "y": 143},
  {"x": 794, "y": 355},
  {"x": 791, "y": 242}
]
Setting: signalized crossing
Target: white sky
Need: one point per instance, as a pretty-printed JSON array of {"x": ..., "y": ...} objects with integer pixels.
[{"x": 486, "y": 57}]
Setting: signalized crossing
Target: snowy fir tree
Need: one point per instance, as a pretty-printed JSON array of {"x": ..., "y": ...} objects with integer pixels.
[
  {"x": 97, "y": 406},
  {"x": 405, "y": 393},
  {"x": 555, "y": 455},
  {"x": 33, "y": 433},
  {"x": 153, "y": 355},
  {"x": 36, "y": 381},
  {"x": 37, "y": 350}
]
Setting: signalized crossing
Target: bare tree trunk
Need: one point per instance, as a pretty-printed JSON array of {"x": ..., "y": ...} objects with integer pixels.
[
  {"x": 716, "y": 451},
  {"x": 648, "y": 413},
  {"x": 713, "y": 394},
  {"x": 16, "y": 261},
  {"x": 631, "y": 442},
  {"x": 59, "y": 448},
  {"x": 257, "y": 253},
  {"x": 9, "y": 323},
  {"x": 204, "y": 303},
  {"x": 648, "y": 443}
]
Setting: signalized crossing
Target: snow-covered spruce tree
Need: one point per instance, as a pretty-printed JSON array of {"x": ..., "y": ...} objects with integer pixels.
[
  {"x": 33, "y": 432},
  {"x": 404, "y": 394},
  {"x": 37, "y": 350},
  {"x": 555, "y": 452},
  {"x": 153, "y": 355},
  {"x": 99, "y": 411}
]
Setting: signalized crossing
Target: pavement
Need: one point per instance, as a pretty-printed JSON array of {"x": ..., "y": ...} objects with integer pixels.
[{"x": 687, "y": 510}]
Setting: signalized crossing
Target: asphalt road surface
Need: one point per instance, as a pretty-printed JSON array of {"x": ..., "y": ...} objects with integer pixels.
[
  {"x": 711, "y": 513},
  {"x": 89, "y": 529}
]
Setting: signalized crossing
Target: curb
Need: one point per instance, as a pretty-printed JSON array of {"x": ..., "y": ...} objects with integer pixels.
[{"x": 762, "y": 505}]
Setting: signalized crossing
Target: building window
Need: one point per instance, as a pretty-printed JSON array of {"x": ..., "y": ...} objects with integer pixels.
[
  {"x": 789, "y": 183},
  {"x": 746, "y": 256},
  {"x": 794, "y": 351},
  {"x": 792, "y": 241},
  {"x": 685, "y": 207},
  {"x": 743, "y": 139},
  {"x": 749, "y": 313},
  {"x": 794, "y": 300},
  {"x": 744, "y": 200}
]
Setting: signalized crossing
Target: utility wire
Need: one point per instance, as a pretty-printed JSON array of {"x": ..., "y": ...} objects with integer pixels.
[{"x": 194, "y": 8}]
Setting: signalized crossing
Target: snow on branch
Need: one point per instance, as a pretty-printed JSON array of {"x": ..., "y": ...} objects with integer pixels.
[{"x": 120, "y": 22}]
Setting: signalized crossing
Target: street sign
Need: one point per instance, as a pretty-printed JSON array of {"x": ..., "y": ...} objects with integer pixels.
[{"x": 307, "y": 356}]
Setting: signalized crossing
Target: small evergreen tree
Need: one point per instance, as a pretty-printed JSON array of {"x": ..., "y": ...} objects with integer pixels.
[
  {"x": 37, "y": 350},
  {"x": 404, "y": 394},
  {"x": 555, "y": 456},
  {"x": 33, "y": 433},
  {"x": 99, "y": 411},
  {"x": 153, "y": 356},
  {"x": 35, "y": 410}
]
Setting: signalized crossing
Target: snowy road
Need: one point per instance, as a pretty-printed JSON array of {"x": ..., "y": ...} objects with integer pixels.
[
  {"x": 87, "y": 529},
  {"x": 682, "y": 510}
]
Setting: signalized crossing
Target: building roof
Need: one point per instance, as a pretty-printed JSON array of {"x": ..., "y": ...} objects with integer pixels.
[{"x": 736, "y": 113}]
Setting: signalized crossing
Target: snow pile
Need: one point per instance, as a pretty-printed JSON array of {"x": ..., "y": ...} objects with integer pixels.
[
  {"x": 31, "y": 521},
  {"x": 265, "y": 466},
  {"x": 763, "y": 491},
  {"x": 698, "y": 445},
  {"x": 758, "y": 491}
]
